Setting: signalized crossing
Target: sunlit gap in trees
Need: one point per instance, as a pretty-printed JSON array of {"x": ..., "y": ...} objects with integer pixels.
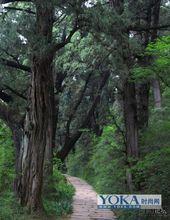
[{"x": 90, "y": 3}]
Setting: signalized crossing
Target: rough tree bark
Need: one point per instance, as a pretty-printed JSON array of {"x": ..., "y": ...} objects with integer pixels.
[
  {"x": 131, "y": 129},
  {"x": 130, "y": 116},
  {"x": 37, "y": 142},
  {"x": 142, "y": 98}
]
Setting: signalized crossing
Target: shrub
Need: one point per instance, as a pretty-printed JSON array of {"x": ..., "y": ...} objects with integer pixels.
[
  {"x": 9, "y": 208},
  {"x": 58, "y": 196}
]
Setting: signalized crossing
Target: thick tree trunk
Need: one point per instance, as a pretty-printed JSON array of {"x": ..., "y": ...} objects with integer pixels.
[
  {"x": 130, "y": 117},
  {"x": 36, "y": 148},
  {"x": 131, "y": 128}
]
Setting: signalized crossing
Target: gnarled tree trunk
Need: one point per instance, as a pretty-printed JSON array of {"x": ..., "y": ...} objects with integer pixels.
[
  {"x": 38, "y": 137},
  {"x": 37, "y": 142}
]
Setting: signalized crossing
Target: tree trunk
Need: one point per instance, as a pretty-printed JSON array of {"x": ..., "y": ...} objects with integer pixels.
[
  {"x": 68, "y": 146},
  {"x": 155, "y": 82},
  {"x": 130, "y": 117},
  {"x": 37, "y": 142},
  {"x": 142, "y": 97},
  {"x": 156, "y": 93},
  {"x": 131, "y": 129},
  {"x": 36, "y": 149},
  {"x": 129, "y": 98}
]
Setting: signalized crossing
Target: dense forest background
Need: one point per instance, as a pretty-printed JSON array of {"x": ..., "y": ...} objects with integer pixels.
[{"x": 84, "y": 90}]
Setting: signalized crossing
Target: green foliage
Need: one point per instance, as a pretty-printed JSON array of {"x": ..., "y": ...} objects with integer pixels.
[
  {"x": 161, "y": 52},
  {"x": 9, "y": 207},
  {"x": 160, "y": 49},
  {"x": 77, "y": 163},
  {"x": 103, "y": 166},
  {"x": 107, "y": 163},
  {"x": 58, "y": 195},
  {"x": 142, "y": 73},
  {"x": 153, "y": 171},
  {"x": 156, "y": 135},
  {"x": 6, "y": 158},
  {"x": 152, "y": 174},
  {"x": 160, "y": 65}
]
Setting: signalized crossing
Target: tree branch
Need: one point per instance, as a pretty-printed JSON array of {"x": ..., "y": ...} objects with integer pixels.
[
  {"x": 15, "y": 92},
  {"x": 75, "y": 107},
  {"x": 11, "y": 1},
  {"x": 15, "y": 65},
  {"x": 20, "y": 9},
  {"x": 140, "y": 28},
  {"x": 70, "y": 141},
  {"x": 66, "y": 41},
  {"x": 15, "y": 58},
  {"x": 86, "y": 121}
]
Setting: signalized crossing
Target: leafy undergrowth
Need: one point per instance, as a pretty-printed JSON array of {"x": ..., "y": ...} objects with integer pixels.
[
  {"x": 9, "y": 208},
  {"x": 59, "y": 201}
]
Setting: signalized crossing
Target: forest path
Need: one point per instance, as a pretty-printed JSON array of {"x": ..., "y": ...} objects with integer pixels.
[{"x": 85, "y": 203}]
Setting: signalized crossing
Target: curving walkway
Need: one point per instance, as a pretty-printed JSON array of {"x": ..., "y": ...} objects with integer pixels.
[{"x": 85, "y": 203}]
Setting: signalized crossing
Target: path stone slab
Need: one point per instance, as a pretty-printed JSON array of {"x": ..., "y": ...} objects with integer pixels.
[{"x": 85, "y": 203}]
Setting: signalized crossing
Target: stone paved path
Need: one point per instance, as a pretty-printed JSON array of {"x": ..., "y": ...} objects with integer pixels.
[{"x": 85, "y": 203}]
